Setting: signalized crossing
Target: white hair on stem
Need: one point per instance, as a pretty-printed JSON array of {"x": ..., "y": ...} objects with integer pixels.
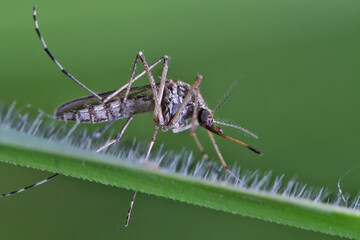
[{"x": 183, "y": 163}]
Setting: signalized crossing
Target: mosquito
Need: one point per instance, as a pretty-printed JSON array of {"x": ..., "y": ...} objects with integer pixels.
[{"x": 176, "y": 106}]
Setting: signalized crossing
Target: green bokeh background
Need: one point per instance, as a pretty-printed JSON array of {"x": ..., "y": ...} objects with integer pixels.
[{"x": 298, "y": 62}]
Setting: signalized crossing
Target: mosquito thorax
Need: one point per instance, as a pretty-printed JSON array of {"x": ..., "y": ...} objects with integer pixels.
[{"x": 174, "y": 95}]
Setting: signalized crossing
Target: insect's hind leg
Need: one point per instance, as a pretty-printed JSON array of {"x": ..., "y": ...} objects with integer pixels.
[
  {"x": 165, "y": 59},
  {"x": 31, "y": 186},
  {"x": 56, "y": 62}
]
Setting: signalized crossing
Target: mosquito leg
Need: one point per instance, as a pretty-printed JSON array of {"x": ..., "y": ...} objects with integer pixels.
[
  {"x": 165, "y": 59},
  {"x": 151, "y": 143},
  {"x": 163, "y": 79},
  {"x": 130, "y": 82},
  {"x": 135, "y": 192},
  {"x": 198, "y": 144},
  {"x": 118, "y": 136},
  {"x": 77, "y": 81},
  {"x": 31, "y": 186},
  {"x": 101, "y": 131},
  {"x": 158, "y": 112},
  {"x": 162, "y": 83},
  {"x": 56, "y": 62},
  {"x": 127, "y": 86},
  {"x": 205, "y": 156},
  {"x": 130, "y": 209},
  {"x": 195, "y": 88},
  {"x": 194, "y": 117},
  {"x": 223, "y": 163},
  {"x": 181, "y": 129},
  {"x": 196, "y": 105},
  {"x": 136, "y": 78},
  {"x": 193, "y": 125}
]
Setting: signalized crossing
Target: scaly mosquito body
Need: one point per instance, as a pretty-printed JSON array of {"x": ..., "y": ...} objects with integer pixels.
[
  {"x": 176, "y": 106},
  {"x": 140, "y": 100}
]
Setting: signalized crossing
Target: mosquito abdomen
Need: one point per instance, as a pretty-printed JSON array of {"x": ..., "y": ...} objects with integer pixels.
[{"x": 92, "y": 110}]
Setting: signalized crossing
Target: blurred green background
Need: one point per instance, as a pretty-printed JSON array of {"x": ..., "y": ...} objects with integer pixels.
[{"x": 298, "y": 62}]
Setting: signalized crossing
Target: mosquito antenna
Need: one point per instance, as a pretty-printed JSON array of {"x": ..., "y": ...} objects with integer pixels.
[
  {"x": 237, "y": 127},
  {"x": 227, "y": 96},
  {"x": 31, "y": 186}
]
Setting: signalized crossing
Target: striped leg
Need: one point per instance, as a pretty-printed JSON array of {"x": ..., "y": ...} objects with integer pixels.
[
  {"x": 156, "y": 93},
  {"x": 165, "y": 59},
  {"x": 146, "y": 159},
  {"x": 130, "y": 209},
  {"x": 157, "y": 112},
  {"x": 31, "y": 186},
  {"x": 56, "y": 62}
]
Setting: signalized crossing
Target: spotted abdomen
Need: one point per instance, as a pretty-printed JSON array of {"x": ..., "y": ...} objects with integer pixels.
[{"x": 92, "y": 110}]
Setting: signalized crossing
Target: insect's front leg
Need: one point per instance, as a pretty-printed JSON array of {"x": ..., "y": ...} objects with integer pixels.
[
  {"x": 194, "y": 119},
  {"x": 196, "y": 91},
  {"x": 222, "y": 160}
]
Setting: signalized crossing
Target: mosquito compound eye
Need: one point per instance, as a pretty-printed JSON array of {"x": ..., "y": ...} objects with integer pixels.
[{"x": 203, "y": 116}]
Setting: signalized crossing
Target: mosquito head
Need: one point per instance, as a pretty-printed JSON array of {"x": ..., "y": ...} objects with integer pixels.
[{"x": 206, "y": 120}]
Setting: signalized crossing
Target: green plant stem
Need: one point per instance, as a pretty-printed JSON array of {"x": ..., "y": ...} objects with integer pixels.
[{"x": 21, "y": 149}]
